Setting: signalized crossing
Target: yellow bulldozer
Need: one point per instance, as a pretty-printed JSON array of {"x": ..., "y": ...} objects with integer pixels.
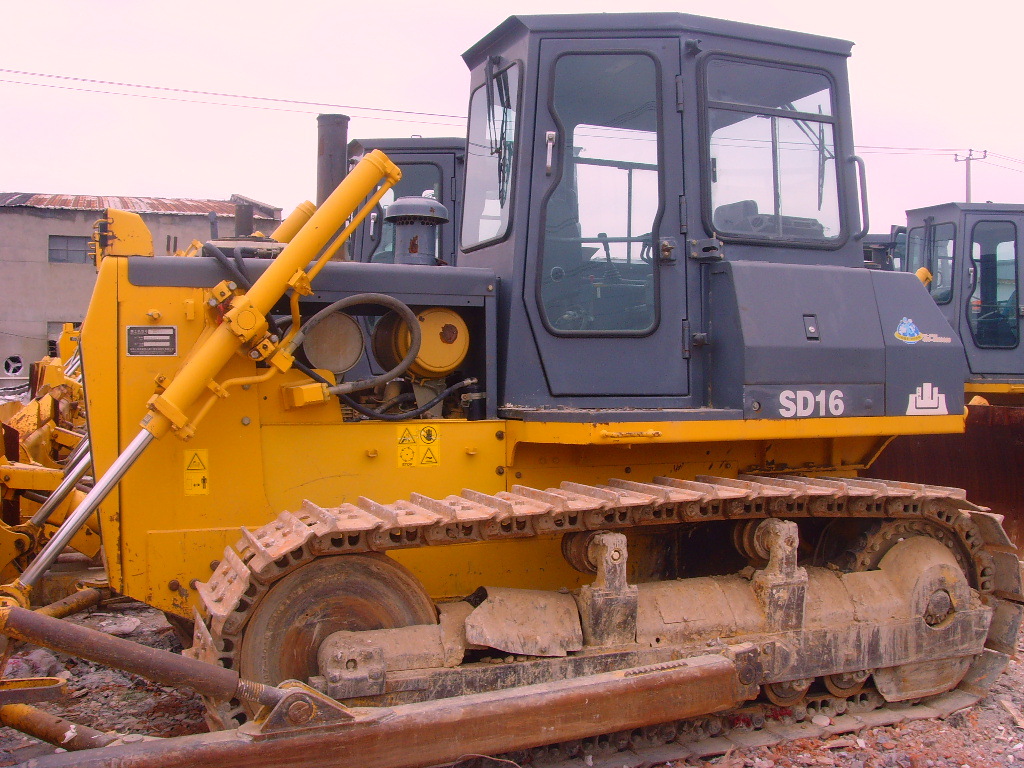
[{"x": 593, "y": 485}]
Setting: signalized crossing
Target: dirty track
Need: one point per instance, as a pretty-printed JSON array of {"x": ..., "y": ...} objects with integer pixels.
[
  {"x": 294, "y": 539},
  {"x": 524, "y": 512}
]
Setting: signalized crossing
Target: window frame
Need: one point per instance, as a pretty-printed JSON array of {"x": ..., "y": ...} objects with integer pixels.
[
  {"x": 929, "y": 230},
  {"x": 65, "y": 240},
  {"x": 706, "y": 104},
  {"x": 506, "y": 232},
  {"x": 556, "y": 181},
  {"x": 969, "y": 253}
]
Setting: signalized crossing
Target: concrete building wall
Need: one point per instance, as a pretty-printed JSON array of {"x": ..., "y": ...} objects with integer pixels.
[{"x": 36, "y": 294}]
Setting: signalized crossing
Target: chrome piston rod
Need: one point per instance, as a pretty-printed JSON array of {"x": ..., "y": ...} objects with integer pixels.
[
  {"x": 72, "y": 476},
  {"x": 48, "y": 555}
]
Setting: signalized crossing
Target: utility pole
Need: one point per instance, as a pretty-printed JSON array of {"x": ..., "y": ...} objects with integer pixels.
[{"x": 966, "y": 160}]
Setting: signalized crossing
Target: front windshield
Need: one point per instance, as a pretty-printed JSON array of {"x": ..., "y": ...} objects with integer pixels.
[{"x": 772, "y": 153}]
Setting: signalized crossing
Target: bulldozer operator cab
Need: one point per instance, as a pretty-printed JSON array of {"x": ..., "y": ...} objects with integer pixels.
[
  {"x": 971, "y": 251},
  {"x": 673, "y": 209}
]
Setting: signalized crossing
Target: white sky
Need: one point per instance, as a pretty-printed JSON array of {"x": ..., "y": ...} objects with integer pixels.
[{"x": 923, "y": 75}]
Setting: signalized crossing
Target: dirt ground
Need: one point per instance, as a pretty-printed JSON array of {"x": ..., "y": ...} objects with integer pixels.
[{"x": 987, "y": 735}]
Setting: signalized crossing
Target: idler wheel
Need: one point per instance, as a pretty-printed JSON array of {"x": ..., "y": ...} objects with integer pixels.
[
  {"x": 787, "y": 693},
  {"x": 327, "y": 595}
]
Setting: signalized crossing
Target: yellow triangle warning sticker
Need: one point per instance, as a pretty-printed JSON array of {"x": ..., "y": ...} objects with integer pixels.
[
  {"x": 406, "y": 437},
  {"x": 428, "y": 457},
  {"x": 195, "y": 463}
]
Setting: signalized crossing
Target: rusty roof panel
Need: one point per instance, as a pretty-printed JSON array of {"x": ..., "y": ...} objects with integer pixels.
[{"x": 165, "y": 205}]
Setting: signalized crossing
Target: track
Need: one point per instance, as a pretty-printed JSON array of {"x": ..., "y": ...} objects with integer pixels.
[
  {"x": 268, "y": 554},
  {"x": 756, "y": 725}
]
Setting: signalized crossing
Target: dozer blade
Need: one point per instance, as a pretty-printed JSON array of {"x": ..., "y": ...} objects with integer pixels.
[
  {"x": 985, "y": 461},
  {"x": 425, "y": 734}
]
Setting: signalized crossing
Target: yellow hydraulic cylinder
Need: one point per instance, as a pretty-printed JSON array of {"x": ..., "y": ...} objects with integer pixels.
[
  {"x": 288, "y": 228},
  {"x": 211, "y": 355}
]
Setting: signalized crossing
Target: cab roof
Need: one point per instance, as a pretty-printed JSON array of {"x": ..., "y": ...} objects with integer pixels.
[{"x": 646, "y": 24}]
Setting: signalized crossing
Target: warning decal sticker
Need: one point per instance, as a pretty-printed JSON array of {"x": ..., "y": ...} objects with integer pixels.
[
  {"x": 419, "y": 446},
  {"x": 197, "y": 472}
]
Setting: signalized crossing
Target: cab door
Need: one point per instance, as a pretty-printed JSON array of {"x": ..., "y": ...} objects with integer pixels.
[
  {"x": 606, "y": 274},
  {"x": 990, "y": 320}
]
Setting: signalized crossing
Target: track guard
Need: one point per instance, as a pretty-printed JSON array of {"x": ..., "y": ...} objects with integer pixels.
[{"x": 301, "y": 710}]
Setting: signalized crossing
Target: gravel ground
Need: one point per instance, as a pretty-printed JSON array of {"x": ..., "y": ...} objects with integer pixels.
[
  {"x": 989, "y": 734},
  {"x": 103, "y": 698}
]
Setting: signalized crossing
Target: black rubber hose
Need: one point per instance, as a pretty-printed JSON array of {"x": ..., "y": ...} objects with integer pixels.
[
  {"x": 379, "y": 414},
  {"x": 360, "y": 408},
  {"x": 367, "y": 298},
  {"x": 236, "y": 254},
  {"x": 403, "y": 398},
  {"x": 228, "y": 264}
]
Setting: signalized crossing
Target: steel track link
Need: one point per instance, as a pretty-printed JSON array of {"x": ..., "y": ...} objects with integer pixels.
[
  {"x": 266, "y": 554},
  {"x": 757, "y": 724}
]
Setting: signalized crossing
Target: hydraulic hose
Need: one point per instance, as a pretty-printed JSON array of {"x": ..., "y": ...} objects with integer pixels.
[
  {"x": 365, "y": 298},
  {"x": 380, "y": 413},
  {"x": 360, "y": 408},
  {"x": 228, "y": 264}
]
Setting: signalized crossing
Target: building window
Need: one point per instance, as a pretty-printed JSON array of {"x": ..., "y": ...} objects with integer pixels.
[{"x": 69, "y": 250}]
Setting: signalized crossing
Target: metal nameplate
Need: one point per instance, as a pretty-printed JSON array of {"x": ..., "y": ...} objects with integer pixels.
[{"x": 152, "y": 341}]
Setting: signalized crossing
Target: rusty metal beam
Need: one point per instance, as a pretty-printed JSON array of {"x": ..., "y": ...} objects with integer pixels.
[
  {"x": 72, "y": 604},
  {"x": 160, "y": 666},
  {"x": 52, "y": 729},
  {"x": 418, "y": 735}
]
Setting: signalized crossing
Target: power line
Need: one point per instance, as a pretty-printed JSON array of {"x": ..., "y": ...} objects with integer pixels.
[
  {"x": 220, "y": 103},
  {"x": 1004, "y": 167},
  {"x": 222, "y": 95},
  {"x": 1007, "y": 158},
  {"x": 939, "y": 150}
]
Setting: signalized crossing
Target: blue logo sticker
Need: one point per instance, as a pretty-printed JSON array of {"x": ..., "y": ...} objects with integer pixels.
[{"x": 908, "y": 332}]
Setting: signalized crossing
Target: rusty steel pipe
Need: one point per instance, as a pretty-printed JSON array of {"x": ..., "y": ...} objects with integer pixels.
[
  {"x": 440, "y": 731},
  {"x": 52, "y": 729},
  {"x": 72, "y": 604},
  {"x": 162, "y": 667}
]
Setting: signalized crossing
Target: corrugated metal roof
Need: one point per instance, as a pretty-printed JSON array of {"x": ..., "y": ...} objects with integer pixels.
[{"x": 168, "y": 205}]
